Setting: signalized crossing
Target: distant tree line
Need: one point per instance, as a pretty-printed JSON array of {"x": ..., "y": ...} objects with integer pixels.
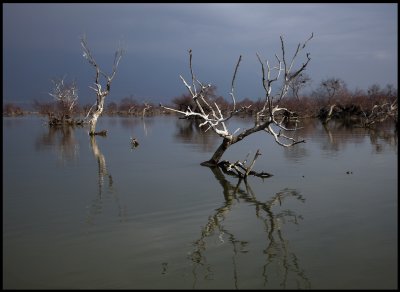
[
  {"x": 10, "y": 109},
  {"x": 128, "y": 106},
  {"x": 331, "y": 91}
]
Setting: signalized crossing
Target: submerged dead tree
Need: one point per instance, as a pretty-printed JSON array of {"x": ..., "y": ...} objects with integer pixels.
[
  {"x": 380, "y": 113},
  {"x": 358, "y": 116},
  {"x": 270, "y": 118},
  {"x": 65, "y": 95},
  {"x": 97, "y": 109}
]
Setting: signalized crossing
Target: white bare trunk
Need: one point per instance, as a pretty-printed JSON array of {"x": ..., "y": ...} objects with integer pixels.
[
  {"x": 96, "y": 114},
  {"x": 100, "y": 93}
]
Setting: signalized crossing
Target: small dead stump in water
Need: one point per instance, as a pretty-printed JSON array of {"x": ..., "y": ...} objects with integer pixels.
[
  {"x": 101, "y": 133},
  {"x": 134, "y": 142}
]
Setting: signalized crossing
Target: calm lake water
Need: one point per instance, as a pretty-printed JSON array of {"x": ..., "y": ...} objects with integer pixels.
[{"x": 84, "y": 213}]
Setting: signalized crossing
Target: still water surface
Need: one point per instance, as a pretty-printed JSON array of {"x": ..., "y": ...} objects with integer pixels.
[{"x": 96, "y": 213}]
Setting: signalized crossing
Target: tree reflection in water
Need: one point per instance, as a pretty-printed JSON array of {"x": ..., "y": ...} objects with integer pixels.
[
  {"x": 281, "y": 264},
  {"x": 131, "y": 123},
  {"x": 189, "y": 132},
  {"x": 379, "y": 135},
  {"x": 334, "y": 136},
  {"x": 339, "y": 133},
  {"x": 96, "y": 207},
  {"x": 62, "y": 138}
]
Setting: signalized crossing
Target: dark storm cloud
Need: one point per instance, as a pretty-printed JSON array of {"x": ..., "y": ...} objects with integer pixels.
[{"x": 355, "y": 42}]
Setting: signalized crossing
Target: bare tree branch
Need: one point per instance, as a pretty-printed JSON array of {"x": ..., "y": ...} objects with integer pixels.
[
  {"x": 233, "y": 86},
  {"x": 100, "y": 93},
  {"x": 213, "y": 118}
]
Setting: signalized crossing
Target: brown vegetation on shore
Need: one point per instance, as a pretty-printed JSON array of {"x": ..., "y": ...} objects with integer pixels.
[{"x": 352, "y": 105}]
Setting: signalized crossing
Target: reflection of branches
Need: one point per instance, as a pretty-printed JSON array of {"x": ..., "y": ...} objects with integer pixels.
[
  {"x": 340, "y": 133},
  {"x": 63, "y": 139},
  {"x": 189, "y": 132},
  {"x": 147, "y": 121},
  {"x": 381, "y": 133},
  {"x": 144, "y": 127},
  {"x": 278, "y": 256},
  {"x": 129, "y": 123},
  {"x": 133, "y": 122},
  {"x": 277, "y": 250},
  {"x": 97, "y": 205},
  {"x": 101, "y": 163}
]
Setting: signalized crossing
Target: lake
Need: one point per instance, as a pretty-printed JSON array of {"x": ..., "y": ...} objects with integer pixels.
[{"x": 96, "y": 213}]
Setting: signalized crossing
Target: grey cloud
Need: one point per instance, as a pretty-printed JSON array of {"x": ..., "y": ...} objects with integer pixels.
[{"x": 348, "y": 37}]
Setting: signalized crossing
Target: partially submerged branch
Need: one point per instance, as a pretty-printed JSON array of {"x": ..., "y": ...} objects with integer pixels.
[{"x": 241, "y": 170}]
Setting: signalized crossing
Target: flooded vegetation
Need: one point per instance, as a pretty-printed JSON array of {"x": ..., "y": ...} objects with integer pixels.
[
  {"x": 127, "y": 185},
  {"x": 94, "y": 212}
]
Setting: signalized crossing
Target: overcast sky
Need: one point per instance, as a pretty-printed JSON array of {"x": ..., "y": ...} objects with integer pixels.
[{"x": 354, "y": 42}]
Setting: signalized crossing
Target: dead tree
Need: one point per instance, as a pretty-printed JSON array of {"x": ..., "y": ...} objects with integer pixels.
[
  {"x": 268, "y": 118},
  {"x": 299, "y": 83},
  {"x": 147, "y": 107},
  {"x": 380, "y": 113},
  {"x": 66, "y": 98},
  {"x": 362, "y": 118},
  {"x": 97, "y": 109},
  {"x": 332, "y": 87},
  {"x": 65, "y": 94}
]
